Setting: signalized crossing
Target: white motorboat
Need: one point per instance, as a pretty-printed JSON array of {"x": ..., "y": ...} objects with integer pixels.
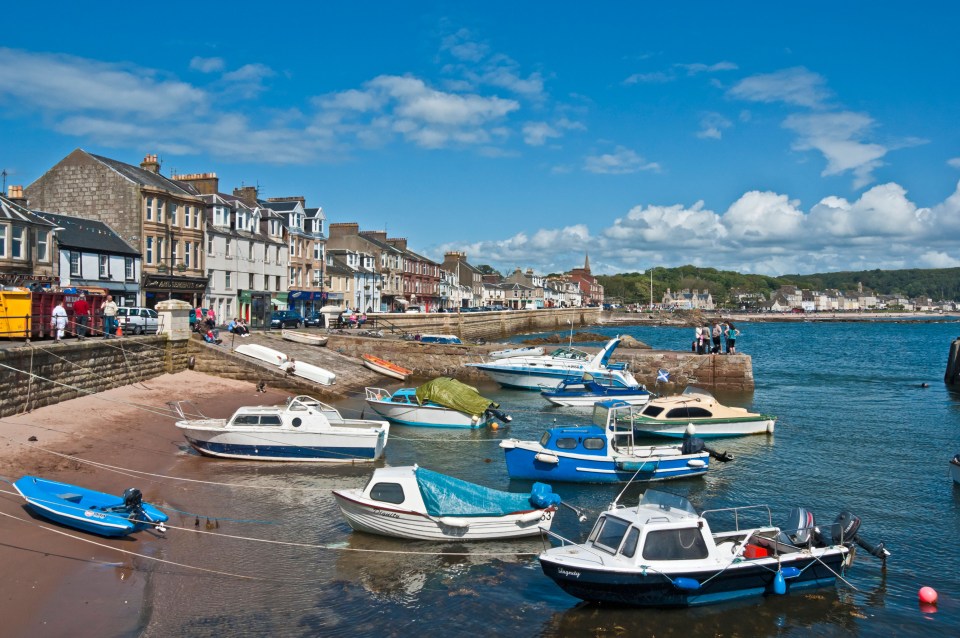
[
  {"x": 262, "y": 353},
  {"x": 529, "y": 351},
  {"x": 598, "y": 386},
  {"x": 412, "y": 502},
  {"x": 671, "y": 416},
  {"x": 547, "y": 371},
  {"x": 661, "y": 553},
  {"x": 440, "y": 403},
  {"x": 304, "y": 337},
  {"x": 304, "y": 429},
  {"x": 955, "y": 469}
]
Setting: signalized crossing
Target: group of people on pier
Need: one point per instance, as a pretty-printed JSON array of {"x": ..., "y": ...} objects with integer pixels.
[{"x": 707, "y": 339}]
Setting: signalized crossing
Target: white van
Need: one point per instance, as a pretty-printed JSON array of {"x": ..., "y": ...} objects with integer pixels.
[{"x": 412, "y": 310}]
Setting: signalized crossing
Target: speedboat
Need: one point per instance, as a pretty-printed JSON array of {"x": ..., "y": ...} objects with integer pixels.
[
  {"x": 603, "y": 454},
  {"x": 528, "y": 351},
  {"x": 89, "y": 510},
  {"x": 597, "y": 386},
  {"x": 955, "y": 469},
  {"x": 671, "y": 416},
  {"x": 413, "y": 502},
  {"x": 440, "y": 403},
  {"x": 547, "y": 371},
  {"x": 304, "y": 429},
  {"x": 662, "y": 553}
]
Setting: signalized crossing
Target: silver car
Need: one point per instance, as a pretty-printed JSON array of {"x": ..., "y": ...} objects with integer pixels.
[{"x": 138, "y": 321}]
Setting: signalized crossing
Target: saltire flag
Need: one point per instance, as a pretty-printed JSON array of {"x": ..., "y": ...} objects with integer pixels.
[{"x": 663, "y": 376}]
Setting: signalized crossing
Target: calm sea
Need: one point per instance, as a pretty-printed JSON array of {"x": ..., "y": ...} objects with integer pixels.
[{"x": 855, "y": 431}]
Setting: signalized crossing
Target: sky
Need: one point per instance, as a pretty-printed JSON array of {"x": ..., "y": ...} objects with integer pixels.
[{"x": 761, "y": 137}]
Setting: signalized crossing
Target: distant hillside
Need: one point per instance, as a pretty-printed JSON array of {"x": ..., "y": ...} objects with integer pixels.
[{"x": 939, "y": 283}]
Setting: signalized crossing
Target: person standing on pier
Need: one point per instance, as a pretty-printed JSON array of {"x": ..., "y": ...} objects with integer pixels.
[
  {"x": 717, "y": 331},
  {"x": 109, "y": 318},
  {"x": 732, "y": 333},
  {"x": 58, "y": 322},
  {"x": 81, "y": 316}
]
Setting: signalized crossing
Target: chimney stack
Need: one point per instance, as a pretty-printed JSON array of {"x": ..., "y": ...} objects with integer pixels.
[
  {"x": 205, "y": 183},
  {"x": 15, "y": 195},
  {"x": 247, "y": 194},
  {"x": 151, "y": 164}
]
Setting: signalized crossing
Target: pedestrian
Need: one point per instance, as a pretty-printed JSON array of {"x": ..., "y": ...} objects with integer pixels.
[
  {"x": 696, "y": 340},
  {"x": 211, "y": 319},
  {"x": 198, "y": 314},
  {"x": 81, "y": 316},
  {"x": 289, "y": 366},
  {"x": 732, "y": 334},
  {"x": 109, "y": 310},
  {"x": 58, "y": 322},
  {"x": 717, "y": 332}
]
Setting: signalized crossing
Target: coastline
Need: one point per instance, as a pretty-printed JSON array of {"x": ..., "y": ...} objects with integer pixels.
[
  {"x": 694, "y": 317},
  {"x": 59, "y": 580}
]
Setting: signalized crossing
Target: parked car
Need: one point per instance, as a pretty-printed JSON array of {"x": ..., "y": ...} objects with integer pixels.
[
  {"x": 413, "y": 310},
  {"x": 286, "y": 319},
  {"x": 138, "y": 321},
  {"x": 314, "y": 319}
]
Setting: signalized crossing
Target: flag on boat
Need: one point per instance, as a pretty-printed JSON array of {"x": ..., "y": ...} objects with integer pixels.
[{"x": 663, "y": 376}]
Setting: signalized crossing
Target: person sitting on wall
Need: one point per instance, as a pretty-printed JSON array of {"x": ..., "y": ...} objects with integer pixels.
[
  {"x": 240, "y": 328},
  {"x": 212, "y": 337}
]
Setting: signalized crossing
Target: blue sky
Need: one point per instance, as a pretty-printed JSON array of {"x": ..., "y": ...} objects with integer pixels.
[{"x": 757, "y": 137}]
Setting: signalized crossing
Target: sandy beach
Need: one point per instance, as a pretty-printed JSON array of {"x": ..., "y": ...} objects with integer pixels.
[{"x": 60, "y": 581}]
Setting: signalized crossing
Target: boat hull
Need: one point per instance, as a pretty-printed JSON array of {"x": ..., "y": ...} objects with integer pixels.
[
  {"x": 389, "y": 520},
  {"x": 83, "y": 509},
  {"x": 587, "y": 400},
  {"x": 955, "y": 471},
  {"x": 262, "y": 353},
  {"x": 705, "y": 429},
  {"x": 426, "y": 415},
  {"x": 288, "y": 446},
  {"x": 314, "y": 373},
  {"x": 536, "y": 464},
  {"x": 305, "y": 338},
  {"x": 654, "y": 589},
  {"x": 528, "y": 379},
  {"x": 386, "y": 368}
]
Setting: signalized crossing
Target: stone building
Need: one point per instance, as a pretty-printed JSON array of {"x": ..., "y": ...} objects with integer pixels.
[
  {"x": 466, "y": 275},
  {"x": 26, "y": 243},
  {"x": 158, "y": 216},
  {"x": 388, "y": 259},
  {"x": 421, "y": 277}
]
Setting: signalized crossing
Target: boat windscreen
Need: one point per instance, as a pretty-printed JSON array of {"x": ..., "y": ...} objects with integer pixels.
[
  {"x": 691, "y": 391},
  {"x": 666, "y": 501}
]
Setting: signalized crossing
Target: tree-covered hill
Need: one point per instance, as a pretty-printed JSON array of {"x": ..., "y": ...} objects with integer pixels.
[{"x": 634, "y": 287}]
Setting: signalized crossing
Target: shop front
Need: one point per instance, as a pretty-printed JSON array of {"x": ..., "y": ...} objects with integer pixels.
[
  {"x": 255, "y": 307},
  {"x": 306, "y": 301},
  {"x": 159, "y": 288}
]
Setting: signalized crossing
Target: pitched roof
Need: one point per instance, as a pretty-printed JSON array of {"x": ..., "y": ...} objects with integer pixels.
[
  {"x": 88, "y": 234},
  {"x": 12, "y": 211},
  {"x": 145, "y": 177}
]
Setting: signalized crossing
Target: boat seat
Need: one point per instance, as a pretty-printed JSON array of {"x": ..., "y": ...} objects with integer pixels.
[{"x": 69, "y": 496}]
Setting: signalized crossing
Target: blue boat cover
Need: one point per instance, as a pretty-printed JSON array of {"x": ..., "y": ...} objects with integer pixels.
[{"x": 447, "y": 496}]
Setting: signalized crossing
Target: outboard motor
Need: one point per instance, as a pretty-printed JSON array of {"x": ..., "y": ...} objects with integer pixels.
[
  {"x": 506, "y": 418},
  {"x": 132, "y": 498},
  {"x": 801, "y": 528},
  {"x": 844, "y": 531},
  {"x": 695, "y": 445}
]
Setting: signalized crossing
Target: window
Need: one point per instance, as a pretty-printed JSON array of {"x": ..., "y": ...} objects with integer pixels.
[
  {"x": 42, "y": 239},
  {"x": 229, "y": 308},
  {"x": 293, "y": 247},
  {"x": 161, "y": 253},
  {"x": 187, "y": 210},
  {"x": 594, "y": 443},
  {"x": 174, "y": 208},
  {"x": 387, "y": 493},
  {"x": 150, "y": 250},
  {"x": 187, "y": 246},
  {"x": 16, "y": 243},
  {"x": 250, "y": 282},
  {"x": 226, "y": 276},
  {"x": 566, "y": 443},
  {"x": 630, "y": 545},
  {"x": 128, "y": 268},
  {"x": 219, "y": 216},
  {"x": 210, "y": 245},
  {"x": 74, "y": 264},
  {"x": 104, "y": 267},
  {"x": 250, "y": 252},
  {"x": 675, "y": 544},
  {"x": 229, "y": 252},
  {"x": 269, "y": 419},
  {"x": 159, "y": 211},
  {"x": 149, "y": 209},
  {"x": 3, "y": 241},
  {"x": 609, "y": 532},
  {"x": 175, "y": 254},
  {"x": 652, "y": 411},
  {"x": 196, "y": 218},
  {"x": 692, "y": 412},
  {"x": 196, "y": 255}
]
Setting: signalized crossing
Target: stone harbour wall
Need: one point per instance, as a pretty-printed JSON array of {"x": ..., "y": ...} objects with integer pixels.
[
  {"x": 42, "y": 373},
  {"x": 487, "y": 325}
]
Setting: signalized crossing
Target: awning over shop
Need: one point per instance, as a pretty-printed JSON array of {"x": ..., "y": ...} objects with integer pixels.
[
  {"x": 402, "y": 302},
  {"x": 304, "y": 295}
]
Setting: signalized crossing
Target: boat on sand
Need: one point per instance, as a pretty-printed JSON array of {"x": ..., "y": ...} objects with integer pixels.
[{"x": 385, "y": 367}]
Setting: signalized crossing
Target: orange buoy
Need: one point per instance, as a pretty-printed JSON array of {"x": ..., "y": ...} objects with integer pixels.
[{"x": 928, "y": 595}]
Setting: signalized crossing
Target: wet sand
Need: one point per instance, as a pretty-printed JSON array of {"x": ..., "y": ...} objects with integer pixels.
[{"x": 59, "y": 581}]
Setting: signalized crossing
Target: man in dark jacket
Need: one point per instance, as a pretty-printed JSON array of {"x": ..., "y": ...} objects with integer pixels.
[{"x": 81, "y": 316}]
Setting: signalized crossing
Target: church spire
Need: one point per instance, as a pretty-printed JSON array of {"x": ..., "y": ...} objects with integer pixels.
[{"x": 586, "y": 262}]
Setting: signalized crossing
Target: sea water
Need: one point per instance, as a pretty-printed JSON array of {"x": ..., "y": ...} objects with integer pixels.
[{"x": 856, "y": 431}]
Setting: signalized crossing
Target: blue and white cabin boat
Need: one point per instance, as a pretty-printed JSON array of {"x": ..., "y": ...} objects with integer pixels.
[
  {"x": 440, "y": 403},
  {"x": 304, "y": 429},
  {"x": 89, "y": 510},
  {"x": 595, "y": 454},
  {"x": 447, "y": 339},
  {"x": 661, "y": 553},
  {"x": 548, "y": 371},
  {"x": 597, "y": 386}
]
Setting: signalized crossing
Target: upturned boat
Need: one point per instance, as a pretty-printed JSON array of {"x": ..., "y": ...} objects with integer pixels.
[
  {"x": 304, "y": 429},
  {"x": 262, "y": 353},
  {"x": 89, "y": 510},
  {"x": 598, "y": 386},
  {"x": 603, "y": 453},
  {"x": 385, "y": 367},
  {"x": 415, "y": 503},
  {"x": 662, "y": 553},
  {"x": 671, "y": 416},
  {"x": 304, "y": 337},
  {"x": 547, "y": 371},
  {"x": 440, "y": 403}
]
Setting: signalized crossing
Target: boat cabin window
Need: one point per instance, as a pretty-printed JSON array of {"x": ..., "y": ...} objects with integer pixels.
[
  {"x": 271, "y": 419},
  {"x": 689, "y": 412},
  {"x": 566, "y": 443},
  {"x": 545, "y": 439},
  {"x": 246, "y": 419},
  {"x": 652, "y": 411},
  {"x": 610, "y": 533},
  {"x": 675, "y": 544},
  {"x": 387, "y": 492},
  {"x": 594, "y": 443},
  {"x": 630, "y": 545}
]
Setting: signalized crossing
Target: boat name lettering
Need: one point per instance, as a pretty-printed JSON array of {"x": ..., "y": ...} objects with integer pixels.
[
  {"x": 387, "y": 514},
  {"x": 90, "y": 514},
  {"x": 568, "y": 572}
]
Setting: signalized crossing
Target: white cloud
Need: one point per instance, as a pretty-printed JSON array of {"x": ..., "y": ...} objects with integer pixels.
[
  {"x": 538, "y": 133},
  {"x": 621, "y": 162},
  {"x": 207, "y": 65},
  {"x": 796, "y": 86},
  {"x": 934, "y": 259},
  {"x": 699, "y": 67},
  {"x": 712, "y": 125},
  {"x": 954, "y": 162},
  {"x": 656, "y": 77},
  {"x": 838, "y": 136},
  {"x": 763, "y": 218}
]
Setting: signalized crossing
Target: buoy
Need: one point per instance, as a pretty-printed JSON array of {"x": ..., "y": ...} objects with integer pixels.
[
  {"x": 779, "y": 584},
  {"x": 928, "y": 595},
  {"x": 687, "y": 584},
  {"x": 494, "y": 426},
  {"x": 690, "y": 430}
]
